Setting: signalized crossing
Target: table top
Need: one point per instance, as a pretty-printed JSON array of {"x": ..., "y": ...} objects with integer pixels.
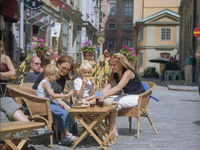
[
  {"x": 20, "y": 125},
  {"x": 95, "y": 109}
]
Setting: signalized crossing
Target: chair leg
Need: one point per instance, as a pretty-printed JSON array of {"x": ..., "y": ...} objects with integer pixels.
[
  {"x": 51, "y": 141},
  {"x": 138, "y": 127},
  {"x": 55, "y": 126},
  {"x": 151, "y": 123},
  {"x": 49, "y": 126},
  {"x": 130, "y": 124}
]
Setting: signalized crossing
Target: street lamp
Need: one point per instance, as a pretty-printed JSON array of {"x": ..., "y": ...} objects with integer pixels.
[{"x": 96, "y": 10}]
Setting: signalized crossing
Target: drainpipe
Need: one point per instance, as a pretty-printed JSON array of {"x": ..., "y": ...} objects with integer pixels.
[
  {"x": 194, "y": 39},
  {"x": 21, "y": 35}
]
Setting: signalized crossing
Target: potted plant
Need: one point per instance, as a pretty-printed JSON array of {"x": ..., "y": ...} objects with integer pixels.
[
  {"x": 128, "y": 52},
  {"x": 40, "y": 47},
  {"x": 88, "y": 50}
]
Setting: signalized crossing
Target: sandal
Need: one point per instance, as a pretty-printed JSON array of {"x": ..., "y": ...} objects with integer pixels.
[{"x": 71, "y": 137}]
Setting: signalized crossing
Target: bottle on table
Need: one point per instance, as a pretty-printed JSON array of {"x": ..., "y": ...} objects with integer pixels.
[
  {"x": 97, "y": 97},
  {"x": 101, "y": 98}
]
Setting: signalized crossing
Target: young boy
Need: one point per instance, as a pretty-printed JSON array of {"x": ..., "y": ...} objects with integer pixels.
[{"x": 58, "y": 106}]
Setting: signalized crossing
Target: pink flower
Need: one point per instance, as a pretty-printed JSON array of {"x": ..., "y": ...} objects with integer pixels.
[
  {"x": 88, "y": 42},
  {"x": 41, "y": 45}
]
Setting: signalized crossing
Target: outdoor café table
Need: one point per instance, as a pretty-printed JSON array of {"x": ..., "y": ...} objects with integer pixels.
[
  {"x": 14, "y": 127},
  {"x": 92, "y": 119}
]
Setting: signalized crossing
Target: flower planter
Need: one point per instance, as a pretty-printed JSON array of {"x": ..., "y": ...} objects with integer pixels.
[
  {"x": 40, "y": 53},
  {"x": 88, "y": 55}
]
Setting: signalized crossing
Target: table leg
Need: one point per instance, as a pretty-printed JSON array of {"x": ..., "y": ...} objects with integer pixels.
[
  {"x": 8, "y": 140},
  {"x": 89, "y": 129}
]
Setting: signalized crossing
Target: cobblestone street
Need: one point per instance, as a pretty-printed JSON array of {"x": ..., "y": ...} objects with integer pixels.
[{"x": 176, "y": 118}]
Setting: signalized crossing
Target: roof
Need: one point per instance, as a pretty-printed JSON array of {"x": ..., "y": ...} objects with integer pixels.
[{"x": 161, "y": 13}]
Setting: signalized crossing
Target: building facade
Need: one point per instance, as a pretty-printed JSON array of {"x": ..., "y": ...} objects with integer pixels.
[
  {"x": 70, "y": 14},
  {"x": 117, "y": 24},
  {"x": 189, "y": 19},
  {"x": 155, "y": 31}
]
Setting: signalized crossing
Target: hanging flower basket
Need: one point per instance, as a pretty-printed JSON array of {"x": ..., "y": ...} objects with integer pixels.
[
  {"x": 128, "y": 52},
  {"x": 88, "y": 50},
  {"x": 40, "y": 47}
]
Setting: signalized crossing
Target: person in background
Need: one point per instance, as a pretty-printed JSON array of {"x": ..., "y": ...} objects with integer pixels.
[
  {"x": 188, "y": 68},
  {"x": 58, "y": 107},
  {"x": 197, "y": 55},
  {"x": 45, "y": 60},
  {"x": 6, "y": 67},
  {"x": 126, "y": 79},
  {"x": 51, "y": 51},
  {"x": 84, "y": 85},
  {"x": 32, "y": 75}
]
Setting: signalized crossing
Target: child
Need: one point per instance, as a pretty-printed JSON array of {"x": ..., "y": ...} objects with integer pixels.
[
  {"x": 84, "y": 85},
  {"x": 45, "y": 60},
  {"x": 58, "y": 106}
]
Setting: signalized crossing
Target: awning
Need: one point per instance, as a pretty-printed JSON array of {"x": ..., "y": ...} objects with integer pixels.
[
  {"x": 10, "y": 10},
  {"x": 60, "y": 4}
]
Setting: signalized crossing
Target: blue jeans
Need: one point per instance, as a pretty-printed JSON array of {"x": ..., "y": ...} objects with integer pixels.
[{"x": 64, "y": 118}]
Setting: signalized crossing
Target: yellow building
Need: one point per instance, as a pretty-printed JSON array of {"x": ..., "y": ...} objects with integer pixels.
[{"x": 155, "y": 31}]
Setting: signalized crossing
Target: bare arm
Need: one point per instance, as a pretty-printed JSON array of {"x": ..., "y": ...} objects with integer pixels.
[
  {"x": 50, "y": 91},
  {"x": 79, "y": 93},
  {"x": 10, "y": 66},
  {"x": 93, "y": 86},
  {"x": 123, "y": 82}
]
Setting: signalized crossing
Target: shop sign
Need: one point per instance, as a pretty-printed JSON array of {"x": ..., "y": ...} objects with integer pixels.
[{"x": 33, "y": 4}]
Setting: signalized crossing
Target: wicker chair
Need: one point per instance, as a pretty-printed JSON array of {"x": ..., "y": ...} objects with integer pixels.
[
  {"x": 39, "y": 108},
  {"x": 29, "y": 85},
  {"x": 140, "y": 110}
]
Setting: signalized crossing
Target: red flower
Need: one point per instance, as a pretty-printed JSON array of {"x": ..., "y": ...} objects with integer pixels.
[{"x": 41, "y": 45}]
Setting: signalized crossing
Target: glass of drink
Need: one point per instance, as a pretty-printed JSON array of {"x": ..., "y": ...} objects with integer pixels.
[{"x": 92, "y": 104}]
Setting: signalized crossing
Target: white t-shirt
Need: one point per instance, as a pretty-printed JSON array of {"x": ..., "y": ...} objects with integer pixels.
[{"x": 78, "y": 84}]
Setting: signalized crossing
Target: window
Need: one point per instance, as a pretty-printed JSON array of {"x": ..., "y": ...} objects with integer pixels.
[
  {"x": 141, "y": 34},
  {"x": 127, "y": 42},
  {"x": 127, "y": 26},
  {"x": 111, "y": 26},
  {"x": 165, "y": 34},
  {"x": 112, "y": 44},
  {"x": 140, "y": 59},
  {"x": 112, "y": 9},
  {"x": 128, "y": 7}
]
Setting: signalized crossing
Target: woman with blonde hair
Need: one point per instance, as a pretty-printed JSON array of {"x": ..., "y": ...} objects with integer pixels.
[
  {"x": 123, "y": 74},
  {"x": 6, "y": 67}
]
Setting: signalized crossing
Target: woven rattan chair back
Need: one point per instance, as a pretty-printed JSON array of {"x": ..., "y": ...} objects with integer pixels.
[{"x": 39, "y": 107}]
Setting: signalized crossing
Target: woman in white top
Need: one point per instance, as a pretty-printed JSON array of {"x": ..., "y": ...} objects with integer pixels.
[{"x": 84, "y": 85}]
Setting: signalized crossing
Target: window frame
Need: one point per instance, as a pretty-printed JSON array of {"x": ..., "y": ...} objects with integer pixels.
[
  {"x": 130, "y": 14},
  {"x": 110, "y": 14},
  {"x": 141, "y": 34},
  {"x": 165, "y": 33},
  {"x": 112, "y": 28}
]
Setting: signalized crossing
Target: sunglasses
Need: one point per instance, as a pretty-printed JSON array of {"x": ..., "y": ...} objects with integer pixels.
[{"x": 38, "y": 64}]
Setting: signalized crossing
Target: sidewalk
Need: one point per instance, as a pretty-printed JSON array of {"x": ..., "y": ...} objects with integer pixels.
[
  {"x": 175, "y": 116},
  {"x": 177, "y": 85}
]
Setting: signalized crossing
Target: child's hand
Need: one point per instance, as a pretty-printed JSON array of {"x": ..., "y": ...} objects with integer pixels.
[
  {"x": 92, "y": 80},
  {"x": 63, "y": 104},
  {"x": 84, "y": 80}
]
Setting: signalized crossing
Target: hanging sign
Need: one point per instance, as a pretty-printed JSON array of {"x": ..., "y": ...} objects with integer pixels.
[
  {"x": 55, "y": 31},
  {"x": 33, "y": 4}
]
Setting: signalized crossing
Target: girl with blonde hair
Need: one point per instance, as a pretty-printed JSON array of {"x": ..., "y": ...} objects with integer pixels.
[
  {"x": 123, "y": 74},
  {"x": 84, "y": 85}
]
